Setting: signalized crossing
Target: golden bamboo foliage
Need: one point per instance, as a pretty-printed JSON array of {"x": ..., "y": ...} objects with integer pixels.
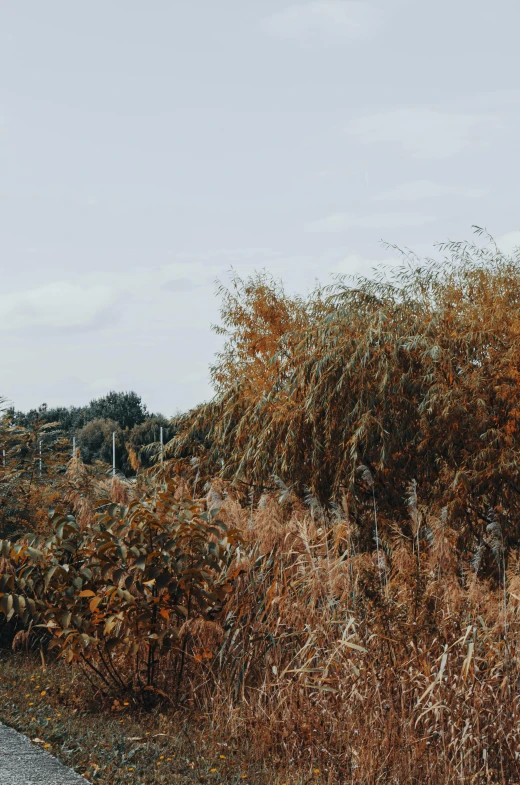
[{"x": 413, "y": 374}]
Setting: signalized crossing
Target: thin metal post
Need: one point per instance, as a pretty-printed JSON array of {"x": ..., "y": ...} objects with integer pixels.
[
  {"x": 3, "y": 454},
  {"x": 113, "y": 453},
  {"x": 73, "y": 446},
  {"x": 162, "y": 445},
  {"x": 40, "y": 457}
]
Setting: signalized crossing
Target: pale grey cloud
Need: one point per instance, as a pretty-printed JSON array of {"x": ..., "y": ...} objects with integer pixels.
[
  {"x": 427, "y": 132},
  {"x": 179, "y": 285},
  {"x": 118, "y": 174},
  {"x": 59, "y": 305},
  {"x": 509, "y": 243},
  {"x": 332, "y": 18},
  {"x": 341, "y": 222},
  {"x": 103, "y": 384},
  {"x": 418, "y": 190},
  {"x": 354, "y": 264}
]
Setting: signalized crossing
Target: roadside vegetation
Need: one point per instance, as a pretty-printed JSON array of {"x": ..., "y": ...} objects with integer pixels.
[{"x": 322, "y": 575}]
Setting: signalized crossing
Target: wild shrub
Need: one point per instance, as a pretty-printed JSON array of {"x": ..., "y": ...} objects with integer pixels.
[{"x": 120, "y": 594}]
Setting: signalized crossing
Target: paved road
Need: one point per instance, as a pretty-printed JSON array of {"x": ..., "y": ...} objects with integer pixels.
[{"x": 22, "y": 763}]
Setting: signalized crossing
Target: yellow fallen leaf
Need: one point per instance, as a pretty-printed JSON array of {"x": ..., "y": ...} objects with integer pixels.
[{"x": 94, "y": 602}]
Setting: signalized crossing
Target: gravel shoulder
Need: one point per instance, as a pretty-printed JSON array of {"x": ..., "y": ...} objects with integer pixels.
[{"x": 23, "y": 763}]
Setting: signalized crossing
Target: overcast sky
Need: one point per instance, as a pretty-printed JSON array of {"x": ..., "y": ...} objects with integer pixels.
[{"x": 148, "y": 147}]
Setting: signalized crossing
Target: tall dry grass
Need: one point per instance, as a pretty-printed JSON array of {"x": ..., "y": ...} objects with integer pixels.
[
  {"x": 395, "y": 665},
  {"x": 398, "y": 670}
]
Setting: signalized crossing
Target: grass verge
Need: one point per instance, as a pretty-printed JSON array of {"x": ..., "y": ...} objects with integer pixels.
[{"x": 115, "y": 745}]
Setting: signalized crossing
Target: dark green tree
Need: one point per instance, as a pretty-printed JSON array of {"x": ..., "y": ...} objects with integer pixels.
[
  {"x": 94, "y": 441},
  {"x": 125, "y": 408},
  {"x": 69, "y": 418}
]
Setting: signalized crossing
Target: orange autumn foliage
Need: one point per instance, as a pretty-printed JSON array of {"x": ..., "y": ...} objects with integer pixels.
[{"x": 414, "y": 374}]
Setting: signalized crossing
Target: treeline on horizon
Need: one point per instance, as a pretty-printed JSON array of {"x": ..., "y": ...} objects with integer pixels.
[{"x": 92, "y": 426}]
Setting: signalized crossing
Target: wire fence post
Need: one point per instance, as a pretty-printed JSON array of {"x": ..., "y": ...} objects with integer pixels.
[
  {"x": 73, "y": 446},
  {"x": 40, "y": 458},
  {"x": 3, "y": 456},
  {"x": 113, "y": 453},
  {"x": 162, "y": 445}
]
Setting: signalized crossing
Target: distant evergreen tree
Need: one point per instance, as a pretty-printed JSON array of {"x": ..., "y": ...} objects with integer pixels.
[
  {"x": 70, "y": 418},
  {"x": 125, "y": 408}
]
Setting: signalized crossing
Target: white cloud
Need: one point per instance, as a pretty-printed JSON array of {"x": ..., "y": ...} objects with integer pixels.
[
  {"x": 426, "y": 189},
  {"x": 106, "y": 383},
  {"x": 56, "y": 305},
  {"x": 428, "y": 133},
  {"x": 332, "y": 18},
  {"x": 141, "y": 281},
  {"x": 179, "y": 285},
  {"x": 341, "y": 222},
  {"x": 199, "y": 373},
  {"x": 509, "y": 242},
  {"x": 354, "y": 264}
]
